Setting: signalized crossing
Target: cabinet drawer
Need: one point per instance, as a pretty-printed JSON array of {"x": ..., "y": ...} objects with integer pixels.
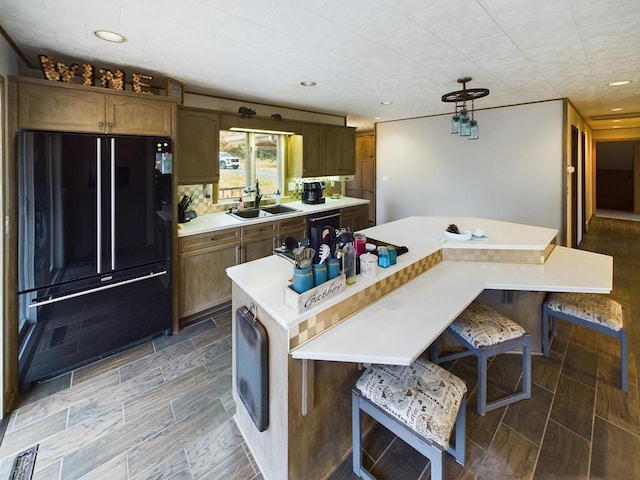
[
  {"x": 351, "y": 212},
  {"x": 211, "y": 239},
  {"x": 295, "y": 223},
  {"x": 260, "y": 230}
]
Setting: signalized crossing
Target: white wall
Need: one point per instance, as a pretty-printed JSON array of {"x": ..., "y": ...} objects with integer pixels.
[
  {"x": 8, "y": 66},
  {"x": 514, "y": 172}
]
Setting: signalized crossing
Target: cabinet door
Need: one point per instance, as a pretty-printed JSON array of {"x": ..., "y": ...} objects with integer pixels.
[
  {"x": 255, "y": 249},
  {"x": 312, "y": 150},
  {"x": 258, "y": 240},
  {"x": 138, "y": 116},
  {"x": 44, "y": 107},
  {"x": 332, "y": 151},
  {"x": 292, "y": 227},
  {"x": 347, "y": 151},
  {"x": 197, "y": 146},
  {"x": 204, "y": 281}
]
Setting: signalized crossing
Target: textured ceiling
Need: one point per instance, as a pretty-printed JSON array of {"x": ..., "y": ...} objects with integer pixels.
[{"x": 360, "y": 52}]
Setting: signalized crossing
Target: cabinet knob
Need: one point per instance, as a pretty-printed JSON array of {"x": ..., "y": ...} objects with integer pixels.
[
  {"x": 110, "y": 125},
  {"x": 100, "y": 124}
]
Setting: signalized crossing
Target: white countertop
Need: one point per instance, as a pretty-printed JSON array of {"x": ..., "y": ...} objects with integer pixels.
[
  {"x": 399, "y": 326},
  {"x": 220, "y": 220}
]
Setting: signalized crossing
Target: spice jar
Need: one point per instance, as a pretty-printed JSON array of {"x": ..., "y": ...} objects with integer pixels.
[{"x": 383, "y": 257}]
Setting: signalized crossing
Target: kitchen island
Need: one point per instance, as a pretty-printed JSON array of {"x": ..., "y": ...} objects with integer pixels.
[{"x": 314, "y": 355}]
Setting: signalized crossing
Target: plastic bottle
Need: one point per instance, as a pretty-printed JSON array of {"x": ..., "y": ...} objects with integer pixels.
[
  {"x": 349, "y": 261},
  {"x": 277, "y": 197},
  {"x": 240, "y": 204}
]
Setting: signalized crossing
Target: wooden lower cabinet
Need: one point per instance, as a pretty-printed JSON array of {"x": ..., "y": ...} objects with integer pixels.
[
  {"x": 355, "y": 218},
  {"x": 258, "y": 240},
  {"x": 204, "y": 258},
  {"x": 295, "y": 227},
  {"x": 203, "y": 261}
]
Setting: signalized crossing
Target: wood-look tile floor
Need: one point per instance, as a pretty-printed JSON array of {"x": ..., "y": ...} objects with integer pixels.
[{"x": 164, "y": 409}]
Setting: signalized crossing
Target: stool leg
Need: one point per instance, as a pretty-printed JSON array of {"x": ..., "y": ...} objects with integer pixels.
[
  {"x": 461, "y": 421},
  {"x": 545, "y": 332},
  {"x": 436, "y": 468},
  {"x": 434, "y": 351},
  {"x": 356, "y": 433},
  {"x": 526, "y": 367},
  {"x": 623, "y": 360},
  {"x": 482, "y": 383}
]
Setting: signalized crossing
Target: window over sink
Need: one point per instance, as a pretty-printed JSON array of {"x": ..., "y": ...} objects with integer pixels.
[{"x": 261, "y": 157}]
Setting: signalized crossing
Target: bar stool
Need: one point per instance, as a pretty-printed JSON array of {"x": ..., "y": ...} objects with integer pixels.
[
  {"x": 591, "y": 310},
  {"x": 420, "y": 403},
  {"x": 485, "y": 332}
]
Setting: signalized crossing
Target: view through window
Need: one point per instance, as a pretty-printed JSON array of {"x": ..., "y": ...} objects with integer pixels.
[{"x": 246, "y": 157}]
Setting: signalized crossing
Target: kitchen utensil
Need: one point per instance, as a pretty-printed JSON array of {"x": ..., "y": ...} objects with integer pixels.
[
  {"x": 291, "y": 243},
  {"x": 297, "y": 254},
  {"x": 307, "y": 257},
  {"x": 325, "y": 251},
  {"x": 305, "y": 242},
  {"x": 329, "y": 238}
]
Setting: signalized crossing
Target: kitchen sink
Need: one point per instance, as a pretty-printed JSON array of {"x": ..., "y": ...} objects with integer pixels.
[
  {"x": 278, "y": 209},
  {"x": 270, "y": 211}
]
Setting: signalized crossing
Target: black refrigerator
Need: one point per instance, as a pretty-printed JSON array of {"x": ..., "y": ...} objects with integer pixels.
[{"x": 94, "y": 248}]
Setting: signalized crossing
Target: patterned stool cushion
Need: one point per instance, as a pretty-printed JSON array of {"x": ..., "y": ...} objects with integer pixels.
[
  {"x": 591, "y": 307},
  {"x": 423, "y": 396},
  {"x": 483, "y": 326}
]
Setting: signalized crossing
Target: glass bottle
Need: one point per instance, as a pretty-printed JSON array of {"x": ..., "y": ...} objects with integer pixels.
[{"x": 349, "y": 258}]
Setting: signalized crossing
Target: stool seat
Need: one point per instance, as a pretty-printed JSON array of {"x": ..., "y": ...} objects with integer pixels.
[
  {"x": 591, "y": 307},
  {"x": 485, "y": 332},
  {"x": 421, "y": 403},
  {"x": 423, "y": 396},
  {"x": 597, "y": 312},
  {"x": 482, "y": 326}
]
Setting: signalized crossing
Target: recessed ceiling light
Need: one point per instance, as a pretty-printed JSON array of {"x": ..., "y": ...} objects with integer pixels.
[
  {"x": 110, "y": 36},
  {"x": 617, "y": 84},
  {"x": 308, "y": 83},
  {"x": 386, "y": 102},
  {"x": 376, "y": 118},
  {"x": 617, "y": 109}
]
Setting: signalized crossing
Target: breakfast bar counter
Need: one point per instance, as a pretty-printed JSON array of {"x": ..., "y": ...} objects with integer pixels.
[{"x": 313, "y": 356}]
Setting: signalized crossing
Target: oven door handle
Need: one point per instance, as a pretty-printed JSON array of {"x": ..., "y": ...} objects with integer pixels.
[
  {"x": 325, "y": 217},
  {"x": 94, "y": 290}
]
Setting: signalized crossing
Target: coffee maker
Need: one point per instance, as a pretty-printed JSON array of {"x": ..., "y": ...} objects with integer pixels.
[{"x": 312, "y": 192}]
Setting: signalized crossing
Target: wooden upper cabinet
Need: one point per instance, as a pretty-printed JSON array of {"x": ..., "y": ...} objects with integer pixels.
[
  {"x": 347, "y": 151},
  {"x": 328, "y": 150},
  {"x": 75, "y": 108},
  {"x": 197, "y": 145},
  {"x": 45, "y": 107},
  {"x": 313, "y": 150},
  {"x": 143, "y": 115}
]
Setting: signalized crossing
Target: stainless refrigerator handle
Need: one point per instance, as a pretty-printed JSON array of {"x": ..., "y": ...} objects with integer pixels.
[
  {"x": 113, "y": 204},
  {"x": 317, "y": 219},
  {"x": 98, "y": 206},
  {"x": 94, "y": 290}
]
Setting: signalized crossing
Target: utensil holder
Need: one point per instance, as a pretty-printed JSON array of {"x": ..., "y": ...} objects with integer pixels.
[
  {"x": 302, "y": 279},
  {"x": 319, "y": 274}
]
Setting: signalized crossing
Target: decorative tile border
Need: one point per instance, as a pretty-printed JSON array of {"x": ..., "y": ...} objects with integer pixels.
[
  {"x": 316, "y": 324},
  {"x": 496, "y": 255}
]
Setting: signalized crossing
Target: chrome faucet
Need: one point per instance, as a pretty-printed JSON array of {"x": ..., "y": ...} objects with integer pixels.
[{"x": 258, "y": 195}]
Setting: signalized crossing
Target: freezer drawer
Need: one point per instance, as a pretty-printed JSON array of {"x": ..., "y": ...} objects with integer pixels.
[{"x": 70, "y": 327}]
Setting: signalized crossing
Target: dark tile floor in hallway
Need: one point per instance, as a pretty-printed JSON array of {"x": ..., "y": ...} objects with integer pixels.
[{"x": 164, "y": 409}]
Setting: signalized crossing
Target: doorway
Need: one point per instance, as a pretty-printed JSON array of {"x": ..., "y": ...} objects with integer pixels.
[{"x": 615, "y": 175}]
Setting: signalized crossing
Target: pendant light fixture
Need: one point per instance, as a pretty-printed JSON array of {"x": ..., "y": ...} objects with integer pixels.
[{"x": 461, "y": 124}]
